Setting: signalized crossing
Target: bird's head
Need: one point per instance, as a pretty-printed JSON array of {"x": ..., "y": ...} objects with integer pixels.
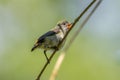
[{"x": 65, "y": 25}]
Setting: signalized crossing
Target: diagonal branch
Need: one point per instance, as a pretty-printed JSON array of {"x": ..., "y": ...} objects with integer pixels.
[
  {"x": 62, "y": 55},
  {"x": 82, "y": 25},
  {"x": 75, "y": 21}
]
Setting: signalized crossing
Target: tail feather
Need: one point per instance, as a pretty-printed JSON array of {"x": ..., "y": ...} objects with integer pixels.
[{"x": 34, "y": 47}]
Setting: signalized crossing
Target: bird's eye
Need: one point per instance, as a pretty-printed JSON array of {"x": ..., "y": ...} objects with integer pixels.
[{"x": 63, "y": 23}]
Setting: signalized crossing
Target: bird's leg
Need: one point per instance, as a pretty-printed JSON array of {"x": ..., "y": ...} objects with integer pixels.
[{"x": 46, "y": 56}]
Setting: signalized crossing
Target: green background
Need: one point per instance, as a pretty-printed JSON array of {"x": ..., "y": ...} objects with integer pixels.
[{"x": 94, "y": 55}]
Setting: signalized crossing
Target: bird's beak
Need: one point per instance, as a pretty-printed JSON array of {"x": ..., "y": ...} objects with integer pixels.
[{"x": 69, "y": 26}]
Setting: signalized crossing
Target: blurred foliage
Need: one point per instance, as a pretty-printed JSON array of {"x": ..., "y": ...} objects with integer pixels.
[{"x": 95, "y": 54}]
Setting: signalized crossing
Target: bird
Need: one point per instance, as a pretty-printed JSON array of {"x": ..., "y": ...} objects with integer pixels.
[{"x": 51, "y": 39}]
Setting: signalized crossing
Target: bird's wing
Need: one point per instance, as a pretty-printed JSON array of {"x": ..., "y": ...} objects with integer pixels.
[
  {"x": 49, "y": 33},
  {"x": 42, "y": 38}
]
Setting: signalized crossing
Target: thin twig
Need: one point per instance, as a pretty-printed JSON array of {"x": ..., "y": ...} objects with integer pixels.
[
  {"x": 62, "y": 54},
  {"x": 76, "y": 20},
  {"x": 82, "y": 25}
]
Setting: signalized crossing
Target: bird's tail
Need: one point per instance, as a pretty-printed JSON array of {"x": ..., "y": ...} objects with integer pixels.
[{"x": 34, "y": 47}]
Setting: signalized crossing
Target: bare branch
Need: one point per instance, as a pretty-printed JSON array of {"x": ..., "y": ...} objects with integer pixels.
[
  {"x": 76, "y": 20},
  {"x": 82, "y": 25},
  {"x": 62, "y": 55}
]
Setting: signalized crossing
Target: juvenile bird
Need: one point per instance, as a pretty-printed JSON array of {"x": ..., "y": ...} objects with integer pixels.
[{"x": 51, "y": 39}]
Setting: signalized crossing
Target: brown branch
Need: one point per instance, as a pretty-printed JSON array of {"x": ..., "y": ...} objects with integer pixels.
[
  {"x": 62, "y": 55},
  {"x": 76, "y": 20},
  {"x": 82, "y": 25}
]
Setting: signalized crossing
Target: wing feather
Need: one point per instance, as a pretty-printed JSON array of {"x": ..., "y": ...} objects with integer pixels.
[{"x": 42, "y": 38}]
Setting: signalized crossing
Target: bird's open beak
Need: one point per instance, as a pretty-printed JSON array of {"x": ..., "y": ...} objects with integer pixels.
[{"x": 69, "y": 26}]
